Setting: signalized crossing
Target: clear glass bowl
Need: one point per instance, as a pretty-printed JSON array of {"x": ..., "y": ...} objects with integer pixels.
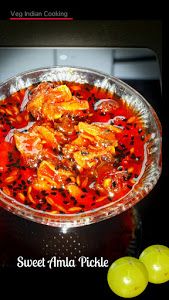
[{"x": 152, "y": 168}]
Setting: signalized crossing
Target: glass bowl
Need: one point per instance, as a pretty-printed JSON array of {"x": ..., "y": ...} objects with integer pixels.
[{"x": 151, "y": 169}]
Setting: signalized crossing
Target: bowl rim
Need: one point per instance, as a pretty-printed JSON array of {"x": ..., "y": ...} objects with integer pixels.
[{"x": 94, "y": 71}]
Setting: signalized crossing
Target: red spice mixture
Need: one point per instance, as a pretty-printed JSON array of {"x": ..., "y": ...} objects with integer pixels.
[{"x": 68, "y": 147}]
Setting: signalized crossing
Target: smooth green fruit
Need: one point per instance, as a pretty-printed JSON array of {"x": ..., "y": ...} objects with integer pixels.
[
  {"x": 127, "y": 277},
  {"x": 156, "y": 260}
]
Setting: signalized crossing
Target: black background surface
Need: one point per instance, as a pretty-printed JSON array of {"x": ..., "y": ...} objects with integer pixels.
[{"x": 92, "y": 283}]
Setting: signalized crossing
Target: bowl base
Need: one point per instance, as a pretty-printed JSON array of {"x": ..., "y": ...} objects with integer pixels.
[{"x": 110, "y": 239}]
